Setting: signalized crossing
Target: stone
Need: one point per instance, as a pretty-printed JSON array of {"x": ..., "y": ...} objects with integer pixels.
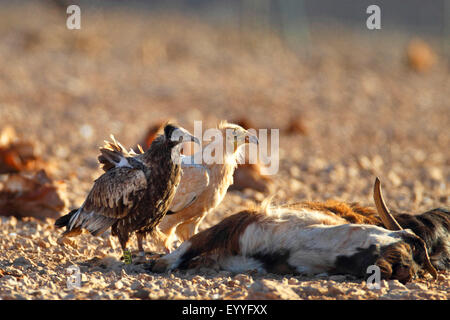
[
  {"x": 135, "y": 285},
  {"x": 22, "y": 261},
  {"x": 141, "y": 294},
  {"x": 269, "y": 289},
  {"x": 338, "y": 277},
  {"x": 396, "y": 285},
  {"x": 417, "y": 286},
  {"x": 118, "y": 285}
]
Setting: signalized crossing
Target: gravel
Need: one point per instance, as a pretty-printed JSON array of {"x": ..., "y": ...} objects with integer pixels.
[{"x": 363, "y": 112}]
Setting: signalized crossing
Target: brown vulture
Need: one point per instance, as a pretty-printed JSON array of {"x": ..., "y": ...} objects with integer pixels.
[{"x": 135, "y": 193}]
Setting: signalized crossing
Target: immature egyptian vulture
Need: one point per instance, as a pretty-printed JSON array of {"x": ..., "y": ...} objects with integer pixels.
[
  {"x": 135, "y": 193},
  {"x": 202, "y": 187}
]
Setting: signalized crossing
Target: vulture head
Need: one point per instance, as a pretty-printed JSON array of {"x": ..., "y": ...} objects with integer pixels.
[
  {"x": 177, "y": 135},
  {"x": 236, "y": 136}
]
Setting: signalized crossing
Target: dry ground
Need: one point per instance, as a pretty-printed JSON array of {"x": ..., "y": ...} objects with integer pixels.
[{"x": 365, "y": 111}]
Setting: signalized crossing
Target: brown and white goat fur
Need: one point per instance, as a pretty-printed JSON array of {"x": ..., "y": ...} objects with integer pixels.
[{"x": 314, "y": 238}]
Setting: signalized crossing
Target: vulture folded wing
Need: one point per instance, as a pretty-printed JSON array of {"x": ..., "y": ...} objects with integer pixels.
[
  {"x": 112, "y": 197},
  {"x": 194, "y": 181},
  {"x": 115, "y": 192}
]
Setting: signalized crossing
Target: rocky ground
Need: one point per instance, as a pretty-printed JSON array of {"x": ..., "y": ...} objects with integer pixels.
[{"x": 364, "y": 110}]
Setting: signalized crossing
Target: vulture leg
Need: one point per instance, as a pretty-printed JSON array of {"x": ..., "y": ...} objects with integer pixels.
[
  {"x": 126, "y": 257},
  {"x": 140, "y": 237},
  {"x": 188, "y": 228}
]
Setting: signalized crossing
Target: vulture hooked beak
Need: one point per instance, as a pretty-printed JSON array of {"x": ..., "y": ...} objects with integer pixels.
[
  {"x": 182, "y": 135},
  {"x": 391, "y": 224},
  {"x": 190, "y": 137}
]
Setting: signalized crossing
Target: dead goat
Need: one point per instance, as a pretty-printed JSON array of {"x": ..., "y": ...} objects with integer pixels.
[{"x": 314, "y": 238}]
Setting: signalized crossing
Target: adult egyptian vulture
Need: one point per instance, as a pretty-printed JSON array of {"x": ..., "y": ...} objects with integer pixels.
[{"x": 135, "y": 193}]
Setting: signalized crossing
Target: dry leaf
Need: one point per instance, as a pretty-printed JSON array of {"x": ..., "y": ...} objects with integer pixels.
[
  {"x": 38, "y": 196},
  {"x": 249, "y": 176},
  {"x": 16, "y": 155},
  {"x": 296, "y": 126},
  {"x": 420, "y": 56}
]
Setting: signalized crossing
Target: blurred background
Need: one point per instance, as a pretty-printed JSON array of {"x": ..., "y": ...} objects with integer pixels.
[{"x": 350, "y": 102}]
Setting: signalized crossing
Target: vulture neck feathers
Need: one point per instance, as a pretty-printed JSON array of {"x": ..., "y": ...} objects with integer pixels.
[
  {"x": 157, "y": 153},
  {"x": 221, "y": 174}
]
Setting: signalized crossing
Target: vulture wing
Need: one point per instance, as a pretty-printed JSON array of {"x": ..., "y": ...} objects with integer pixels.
[
  {"x": 113, "y": 154},
  {"x": 194, "y": 181},
  {"x": 112, "y": 197}
]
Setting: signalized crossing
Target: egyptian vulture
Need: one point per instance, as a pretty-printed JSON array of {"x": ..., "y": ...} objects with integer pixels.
[
  {"x": 202, "y": 187},
  {"x": 135, "y": 193},
  {"x": 198, "y": 196}
]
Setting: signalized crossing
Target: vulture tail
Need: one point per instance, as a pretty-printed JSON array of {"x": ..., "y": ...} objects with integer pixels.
[
  {"x": 64, "y": 220},
  {"x": 75, "y": 220},
  {"x": 95, "y": 223}
]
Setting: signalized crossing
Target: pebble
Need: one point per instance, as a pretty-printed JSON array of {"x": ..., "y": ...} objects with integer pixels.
[
  {"x": 335, "y": 291},
  {"x": 141, "y": 294},
  {"x": 86, "y": 131},
  {"x": 243, "y": 278},
  {"x": 269, "y": 289},
  {"x": 118, "y": 285},
  {"x": 189, "y": 292},
  {"x": 43, "y": 244},
  {"x": 21, "y": 261},
  {"x": 396, "y": 285},
  {"x": 338, "y": 277},
  {"x": 417, "y": 286},
  {"x": 396, "y": 294},
  {"x": 295, "y": 171},
  {"x": 135, "y": 285}
]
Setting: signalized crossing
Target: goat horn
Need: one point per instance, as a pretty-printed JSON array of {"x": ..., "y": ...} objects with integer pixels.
[
  {"x": 392, "y": 224},
  {"x": 429, "y": 266},
  {"x": 386, "y": 217}
]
